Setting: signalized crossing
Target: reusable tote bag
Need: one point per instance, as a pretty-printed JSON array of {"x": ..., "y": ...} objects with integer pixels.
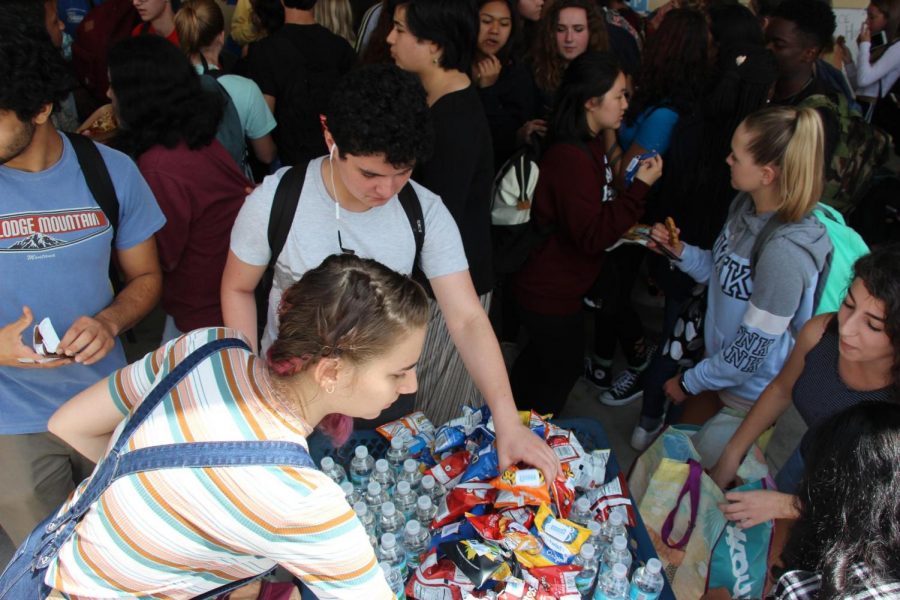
[{"x": 679, "y": 505}]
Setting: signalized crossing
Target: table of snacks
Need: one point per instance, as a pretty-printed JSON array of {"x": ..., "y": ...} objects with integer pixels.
[{"x": 441, "y": 451}]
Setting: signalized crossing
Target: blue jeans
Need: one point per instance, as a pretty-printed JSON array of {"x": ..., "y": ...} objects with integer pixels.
[
  {"x": 23, "y": 578},
  {"x": 788, "y": 478}
]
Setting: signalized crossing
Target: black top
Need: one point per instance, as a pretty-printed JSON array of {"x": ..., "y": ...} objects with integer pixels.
[
  {"x": 461, "y": 172},
  {"x": 830, "y": 123},
  {"x": 820, "y": 392},
  {"x": 508, "y": 104},
  {"x": 299, "y": 65}
]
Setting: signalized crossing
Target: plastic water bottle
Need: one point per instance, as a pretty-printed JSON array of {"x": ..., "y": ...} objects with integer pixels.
[
  {"x": 587, "y": 560},
  {"x": 432, "y": 489},
  {"x": 394, "y": 579},
  {"x": 613, "y": 585},
  {"x": 426, "y": 511},
  {"x": 411, "y": 473},
  {"x": 390, "y": 520},
  {"x": 333, "y": 470},
  {"x": 416, "y": 541},
  {"x": 375, "y": 496},
  {"x": 384, "y": 476},
  {"x": 647, "y": 582},
  {"x": 367, "y": 518},
  {"x": 350, "y": 493},
  {"x": 595, "y": 528},
  {"x": 581, "y": 512},
  {"x": 389, "y": 550},
  {"x": 617, "y": 552},
  {"x": 361, "y": 467},
  {"x": 405, "y": 500},
  {"x": 396, "y": 455},
  {"x": 609, "y": 529}
]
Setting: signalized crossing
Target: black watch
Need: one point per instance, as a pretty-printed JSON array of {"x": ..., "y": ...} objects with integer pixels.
[{"x": 683, "y": 387}]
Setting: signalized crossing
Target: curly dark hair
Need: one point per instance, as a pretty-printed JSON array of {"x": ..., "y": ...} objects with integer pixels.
[
  {"x": 675, "y": 67},
  {"x": 545, "y": 60},
  {"x": 880, "y": 273},
  {"x": 159, "y": 97},
  {"x": 268, "y": 15},
  {"x": 33, "y": 73},
  {"x": 451, "y": 25},
  {"x": 814, "y": 19},
  {"x": 850, "y": 500},
  {"x": 381, "y": 109}
]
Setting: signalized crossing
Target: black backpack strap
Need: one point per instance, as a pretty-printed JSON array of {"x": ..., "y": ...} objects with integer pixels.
[
  {"x": 284, "y": 205},
  {"x": 97, "y": 177},
  {"x": 409, "y": 200}
]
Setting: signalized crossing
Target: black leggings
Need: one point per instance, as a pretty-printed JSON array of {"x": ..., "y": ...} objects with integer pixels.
[
  {"x": 617, "y": 320},
  {"x": 550, "y": 362}
]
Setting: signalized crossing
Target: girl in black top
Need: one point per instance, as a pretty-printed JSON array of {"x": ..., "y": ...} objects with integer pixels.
[
  {"x": 504, "y": 84},
  {"x": 436, "y": 40}
]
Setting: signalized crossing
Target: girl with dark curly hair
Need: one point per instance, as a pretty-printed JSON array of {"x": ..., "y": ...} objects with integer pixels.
[
  {"x": 839, "y": 360},
  {"x": 169, "y": 125},
  {"x": 567, "y": 29}
]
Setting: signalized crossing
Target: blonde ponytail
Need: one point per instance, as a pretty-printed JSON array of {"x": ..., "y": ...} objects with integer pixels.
[
  {"x": 794, "y": 141},
  {"x": 197, "y": 23}
]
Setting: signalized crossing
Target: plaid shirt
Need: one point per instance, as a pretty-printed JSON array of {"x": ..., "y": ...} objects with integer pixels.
[{"x": 803, "y": 585}]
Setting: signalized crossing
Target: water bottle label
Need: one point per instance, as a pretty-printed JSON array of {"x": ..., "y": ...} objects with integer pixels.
[
  {"x": 359, "y": 480},
  {"x": 584, "y": 581},
  {"x": 638, "y": 594}
]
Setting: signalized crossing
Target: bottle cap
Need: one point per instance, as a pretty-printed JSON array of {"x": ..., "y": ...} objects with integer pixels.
[
  {"x": 397, "y": 443},
  {"x": 616, "y": 518},
  {"x": 360, "y": 508},
  {"x": 583, "y": 504},
  {"x": 654, "y": 566},
  {"x": 382, "y": 465},
  {"x": 413, "y": 527},
  {"x": 374, "y": 488},
  {"x": 427, "y": 483},
  {"x": 594, "y": 527},
  {"x": 403, "y": 487},
  {"x": 388, "y": 540},
  {"x": 620, "y": 543},
  {"x": 327, "y": 463},
  {"x": 347, "y": 487},
  {"x": 361, "y": 452},
  {"x": 410, "y": 466},
  {"x": 619, "y": 570},
  {"x": 388, "y": 509},
  {"x": 588, "y": 551},
  {"x": 424, "y": 502}
]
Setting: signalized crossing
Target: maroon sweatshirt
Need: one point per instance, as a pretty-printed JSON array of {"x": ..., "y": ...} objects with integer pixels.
[{"x": 575, "y": 195}]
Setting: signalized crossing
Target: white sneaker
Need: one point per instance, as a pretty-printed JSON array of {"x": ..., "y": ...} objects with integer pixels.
[{"x": 641, "y": 438}]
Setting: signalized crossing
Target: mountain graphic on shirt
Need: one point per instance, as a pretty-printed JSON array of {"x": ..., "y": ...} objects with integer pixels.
[{"x": 36, "y": 241}]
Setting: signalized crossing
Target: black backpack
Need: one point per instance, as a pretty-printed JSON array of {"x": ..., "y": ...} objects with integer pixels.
[{"x": 281, "y": 218}]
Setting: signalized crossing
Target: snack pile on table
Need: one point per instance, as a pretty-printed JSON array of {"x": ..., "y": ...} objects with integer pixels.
[{"x": 474, "y": 531}]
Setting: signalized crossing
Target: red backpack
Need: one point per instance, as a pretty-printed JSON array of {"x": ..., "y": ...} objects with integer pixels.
[{"x": 102, "y": 27}]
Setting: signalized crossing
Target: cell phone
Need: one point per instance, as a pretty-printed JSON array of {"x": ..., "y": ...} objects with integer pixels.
[{"x": 879, "y": 39}]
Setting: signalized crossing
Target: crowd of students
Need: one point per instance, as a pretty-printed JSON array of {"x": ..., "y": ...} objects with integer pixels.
[{"x": 280, "y": 202}]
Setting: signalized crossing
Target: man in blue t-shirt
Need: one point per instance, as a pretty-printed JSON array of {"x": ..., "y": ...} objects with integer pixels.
[{"x": 55, "y": 246}]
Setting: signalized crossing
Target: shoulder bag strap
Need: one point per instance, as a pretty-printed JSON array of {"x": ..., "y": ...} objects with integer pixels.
[
  {"x": 409, "y": 200},
  {"x": 284, "y": 205}
]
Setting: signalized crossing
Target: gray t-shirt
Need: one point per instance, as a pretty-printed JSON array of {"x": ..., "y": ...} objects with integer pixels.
[{"x": 382, "y": 233}]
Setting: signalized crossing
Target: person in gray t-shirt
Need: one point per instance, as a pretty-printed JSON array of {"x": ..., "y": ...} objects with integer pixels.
[{"x": 378, "y": 127}]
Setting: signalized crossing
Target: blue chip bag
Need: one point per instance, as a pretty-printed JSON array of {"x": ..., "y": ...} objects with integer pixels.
[
  {"x": 483, "y": 464},
  {"x": 635, "y": 164},
  {"x": 448, "y": 438},
  {"x": 459, "y": 530}
]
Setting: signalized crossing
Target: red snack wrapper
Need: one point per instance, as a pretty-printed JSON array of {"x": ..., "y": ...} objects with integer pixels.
[
  {"x": 556, "y": 582},
  {"x": 438, "y": 580},
  {"x": 490, "y": 527},
  {"x": 564, "y": 443},
  {"x": 516, "y": 589},
  {"x": 522, "y": 516},
  {"x": 448, "y": 471},
  {"x": 461, "y": 500},
  {"x": 612, "y": 496}
]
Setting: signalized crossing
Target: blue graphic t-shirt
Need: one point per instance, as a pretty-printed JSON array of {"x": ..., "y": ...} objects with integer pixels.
[{"x": 54, "y": 258}]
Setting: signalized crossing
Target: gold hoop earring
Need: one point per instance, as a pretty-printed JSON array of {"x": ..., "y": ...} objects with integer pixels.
[
  {"x": 329, "y": 389},
  {"x": 435, "y": 60}
]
